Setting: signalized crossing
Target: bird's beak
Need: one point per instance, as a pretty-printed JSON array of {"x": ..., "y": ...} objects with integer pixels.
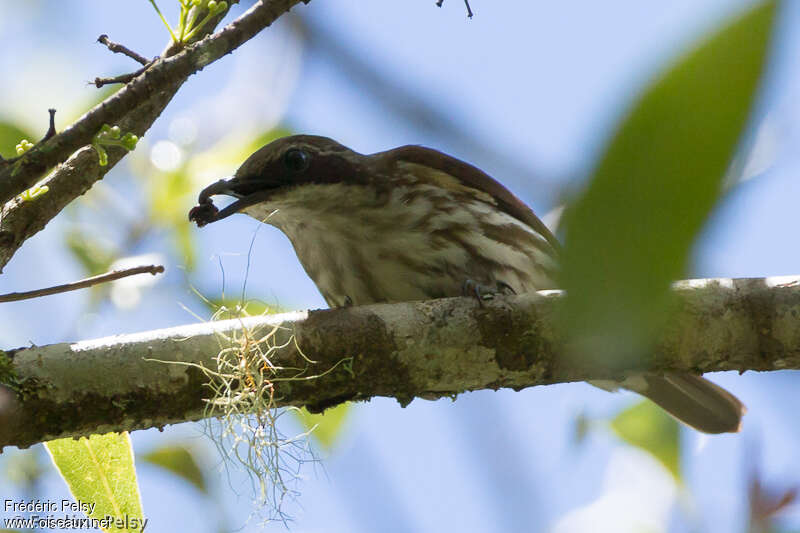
[{"x": 206, "y": 212}]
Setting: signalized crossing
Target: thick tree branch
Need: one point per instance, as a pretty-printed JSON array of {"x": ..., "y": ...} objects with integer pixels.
[
  {"x": 435, "y": 348},
  {"x": 154, "y": 88}
]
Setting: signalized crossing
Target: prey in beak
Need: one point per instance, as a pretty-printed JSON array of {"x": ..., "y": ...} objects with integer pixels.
[{"x": 205, "y": 212}]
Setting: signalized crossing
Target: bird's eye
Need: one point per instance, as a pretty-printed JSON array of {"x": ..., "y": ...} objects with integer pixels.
[{"x": 296, "y": 160}]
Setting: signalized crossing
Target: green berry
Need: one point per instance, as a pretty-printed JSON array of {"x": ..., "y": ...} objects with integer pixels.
[
  {"x": 129, "y": 141},
  {"x": 23, "y": 146},
  {"x": 114, "y": 132},
  {"x": 212, "y": 5}
]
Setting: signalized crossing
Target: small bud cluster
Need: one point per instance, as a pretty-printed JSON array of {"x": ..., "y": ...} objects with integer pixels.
[
  {"x": 112, "y": 136},
  {"x": 23, "y": 146},
  {"x": 189, "y": 29},
  {"x": 33, "y": 193},
  {"x": 188, "y": 26}
]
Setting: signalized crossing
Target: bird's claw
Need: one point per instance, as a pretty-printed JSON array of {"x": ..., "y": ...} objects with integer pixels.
[{"x": 483, "y": 292}]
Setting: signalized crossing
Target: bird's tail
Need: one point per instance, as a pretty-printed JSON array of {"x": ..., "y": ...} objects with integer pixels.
[{"x": 695, "y": 401}]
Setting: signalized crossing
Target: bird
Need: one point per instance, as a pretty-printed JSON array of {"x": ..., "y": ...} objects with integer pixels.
[{"x": 413, "y": 223}]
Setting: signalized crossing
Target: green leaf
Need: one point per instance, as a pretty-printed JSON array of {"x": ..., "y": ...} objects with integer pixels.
[
  {"x": 229, "y": 307},
  {"x": 180, "y": 461},
  {"x": 183, "y": 235},
  {"x": 630, "y": 233},
  {"x": 646, "y": 426},
  {"x": 100, "y": 470},
  {"x": 94, "y": 255},
  {"x": 10, "y": 135},
  {"x": 326, "y": 426},
  {"x": 170, "y": 194}
]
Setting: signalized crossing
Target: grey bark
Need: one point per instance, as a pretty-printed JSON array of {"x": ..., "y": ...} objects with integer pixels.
[{"x": 431, "y": 349}]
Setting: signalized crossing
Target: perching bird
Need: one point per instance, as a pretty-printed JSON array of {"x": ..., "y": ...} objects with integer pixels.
[{"x": 414, "y": 224}]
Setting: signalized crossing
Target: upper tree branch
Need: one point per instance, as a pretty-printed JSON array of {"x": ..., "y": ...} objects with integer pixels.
[
  {"x": 439, "y": 348},
  {"x": 165, "y": 75},
  {"x": 21, "y": 220}
]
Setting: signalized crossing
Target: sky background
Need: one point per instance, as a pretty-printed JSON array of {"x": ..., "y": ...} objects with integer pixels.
[{"x": 527, "y": 91}]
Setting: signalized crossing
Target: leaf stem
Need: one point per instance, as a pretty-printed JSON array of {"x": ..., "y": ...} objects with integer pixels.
[{"x": 164, "y": 20}]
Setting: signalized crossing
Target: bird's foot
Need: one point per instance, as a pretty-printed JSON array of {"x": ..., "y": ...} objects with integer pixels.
[{"x": 483, "y": 292}]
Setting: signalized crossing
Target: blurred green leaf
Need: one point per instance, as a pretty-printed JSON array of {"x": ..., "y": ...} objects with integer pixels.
[
  {"x": 10, "y": 135},
  {"x": 327, "y": 426},
  {"x": 171, "y": 196},
  {"x": 100, "y": 470},
  {"x": 646, "y": 426},
  {"x": 185, "y": 243},
  {"x": 265, "y": 138},
  {"x": 232, "y": 308},
  {"x": 94, "y": 256},
  {"x": 168, "y": 196},
  {"x": 180, "y": 461},
  {"x": 630, "y": 233}
]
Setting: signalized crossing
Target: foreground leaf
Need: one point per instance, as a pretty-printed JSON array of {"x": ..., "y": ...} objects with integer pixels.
[
  {"x": 100, "y": 470},
  {"x": 180, "y": 461},
  {"x": 631, "y": 232},
  {"x": 646, "y": 426},
  {"x": 327, "y": 426}
]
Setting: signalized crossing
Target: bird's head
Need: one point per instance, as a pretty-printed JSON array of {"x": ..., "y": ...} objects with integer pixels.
[
  {"x": 288, "y": 171},
  {"x": 316, "y": 179}
]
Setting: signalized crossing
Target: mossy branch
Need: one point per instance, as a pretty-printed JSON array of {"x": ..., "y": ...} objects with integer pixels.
[{"x": 434, "y": 348}]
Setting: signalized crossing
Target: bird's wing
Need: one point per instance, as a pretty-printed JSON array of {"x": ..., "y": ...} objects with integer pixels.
[{"x": 473, "y": 177}]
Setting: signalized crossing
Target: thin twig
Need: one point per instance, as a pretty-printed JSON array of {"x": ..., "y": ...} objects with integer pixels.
[
  {"x": 466, "y": 3},
  {"x": 51, "y": 130},
  {"x": 82, "y": 284},
  {"x": 120, "y": 49},
  {"x": 122, "y": 78}
]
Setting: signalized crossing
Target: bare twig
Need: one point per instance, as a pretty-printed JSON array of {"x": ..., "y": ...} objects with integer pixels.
[
  {"x": 466, "y": 3},
  {"x": 51, "y": 130},
  {"x": 82, "y": 284},
  {"x": 120, "y": 49},
  {"x": 122, "y": 78}
]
